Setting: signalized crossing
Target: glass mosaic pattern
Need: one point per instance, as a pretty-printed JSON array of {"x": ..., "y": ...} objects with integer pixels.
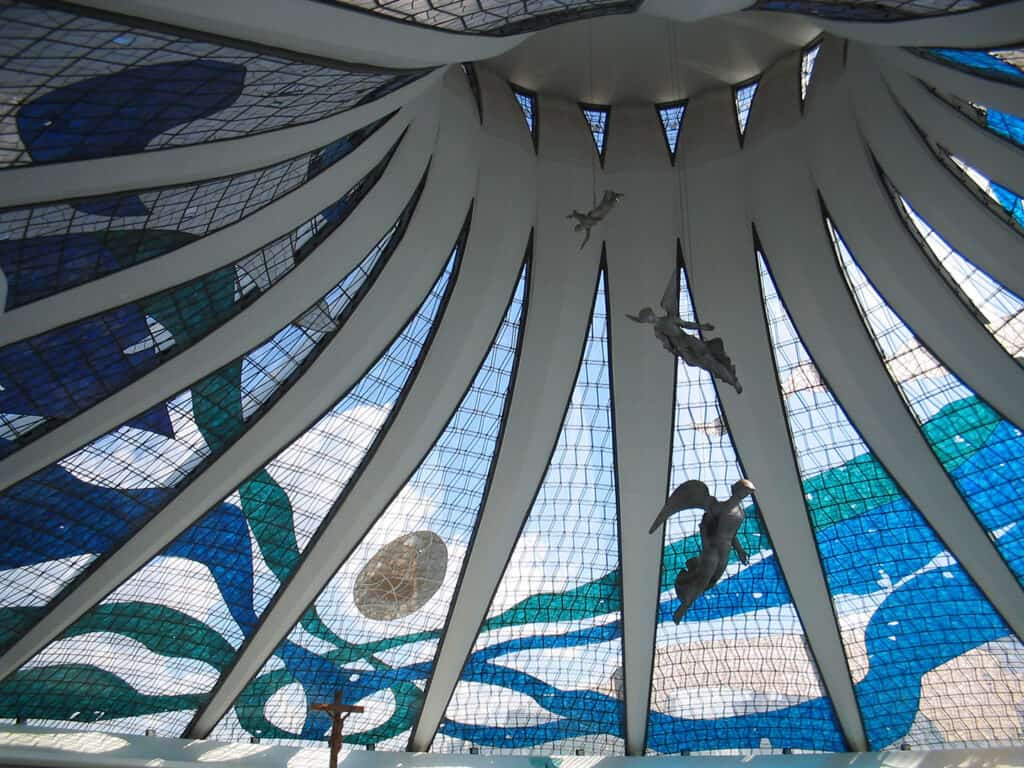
[
  {"x": 807, "y": 60},
  {"x": 923, "y": 644},
  {"x": 671, "y": 117},
  {"x": 1006, "y": 125},
  {"x": 992, "y": 482},
  {"x": 94, "y": 498},
  {"x": 78, "y": 88},
  {"x": 998, "y": 309},
  {"x": 736, "y": 675},
  {"x": 492, "y": 17},
  {"x": 1010, "y": 202},
  {"x": 45, "y": 249},
  {"x": 528, "y": 103},
  {"x": 58, "y": 374},
  {"x": 597, "y": 122},
  {"x": 873, "y": 10},
  {"x": 744, "y": 97},
  {"x": 388, "y": 604},
  {"x": 1006, "y": 64},
  {"x": 545, "y": 673},
  {"x": 152, "y": 652}
]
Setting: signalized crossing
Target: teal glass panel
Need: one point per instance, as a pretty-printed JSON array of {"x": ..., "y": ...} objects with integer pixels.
[
  {"x": 389, "y": 602},
  {"x": 545, "y": 672},
  {"x": 926, "y": 650},
  {"x": 737, "y": 674},
  {"x": 982, "y": 452}
]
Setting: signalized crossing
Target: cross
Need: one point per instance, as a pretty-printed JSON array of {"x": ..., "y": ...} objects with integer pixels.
[{"x": 338, "y": 712}]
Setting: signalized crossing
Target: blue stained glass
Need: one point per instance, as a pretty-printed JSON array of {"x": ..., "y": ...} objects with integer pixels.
[
  {"x": 1006, "y": 125},
  {"x": 528, "y": 104},
  {"x": 744, "y": 97},
  {"x": 671, "y": 117},
  {"x": 79, "y": 88},
  {"x": 1009, "y": 201},
  {"x": 154, "y": 649},
  {"x": 921, "y": 640},
  {"x": 58, "y": 374},
  {"x": 1001, "y": 310},
  {"x": 597, "y": 122},
  {"x": 45, "y": 249},
  {"x": 389, "y": 602},
  {"x": 807, "y": 68},
  {"x": 872, "y": 10},
  {"x": 982, "y": 452},
  {"x": 95, "y": 497},
  {"x": 743, "y": 639},
  {"x": 997, "y": 63},
  {"x": 545, "y": 673}
]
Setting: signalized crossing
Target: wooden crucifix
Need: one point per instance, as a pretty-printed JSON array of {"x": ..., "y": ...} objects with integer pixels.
[{"x": 338, "y": 713}]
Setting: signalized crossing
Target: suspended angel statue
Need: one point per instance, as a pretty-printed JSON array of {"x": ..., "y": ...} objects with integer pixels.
[
  {"x": 690, "y": 348},
  {"x": 718, "y": 527},
  {"x": 586, "y": 221}
]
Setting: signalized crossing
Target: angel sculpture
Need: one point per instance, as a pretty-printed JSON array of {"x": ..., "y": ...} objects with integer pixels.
[
  {"x": 586, "y": 221},
  {"x": 690, "y": 348},
  {"x": 718, "y": 527}
]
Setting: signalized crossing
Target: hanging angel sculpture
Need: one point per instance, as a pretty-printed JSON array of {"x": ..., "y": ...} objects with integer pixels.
[
  {"x": 690, "y": 348},
  {"x": 718, "y": 528},
  {"x": 586, "y": 221}
]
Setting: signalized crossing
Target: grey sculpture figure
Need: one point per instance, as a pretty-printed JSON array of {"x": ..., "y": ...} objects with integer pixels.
[
  {"x": 690, "y": 348},
  {"x": 586, "y": 221},
  {"x": 718, "y": 528}
]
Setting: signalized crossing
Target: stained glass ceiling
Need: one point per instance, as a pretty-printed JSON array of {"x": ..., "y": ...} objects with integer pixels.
[{"x": 147, "y": 563}]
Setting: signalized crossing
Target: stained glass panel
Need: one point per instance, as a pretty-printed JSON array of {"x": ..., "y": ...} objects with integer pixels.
[
  {"x": 1009, "y": 201},
  {"x": 1006, "y": 64},
  {"x": 671, "y": 117},
  {"x": 45, "y": 249},
  {"x": 807, "y": 60},
  {"x": 597, "y": 122},
  {"x": 528, "y": 103},
  {"x": 545, "y": 673},
  {"x": 58, "y": 374},
  {"x": 389, "y": 602},
  {"x": 873, "y": 10},
  {"x": 78, "y": 87},
  {"x": 152, "y": 652},
  {"x": 744, "y": 96},
  {"x": 927, "y": 652},
  {"x": 736, "y": 674}
]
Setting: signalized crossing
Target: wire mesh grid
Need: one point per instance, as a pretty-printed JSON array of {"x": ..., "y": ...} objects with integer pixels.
[
  {"x": 922, "y": 642},
  {"x": 78, "y": 87},
  {"x": 737, "y": 674},
  {"x": 498, "y": 17},
  {"x": 58, "y": 374},
  {"x": 981, "y": 452},
  {"x": 217, "y": 578},
  {"x": 390, "y": 600},
  {"x": 545, "y": 673},
  {"x": 45, "y": 249}
]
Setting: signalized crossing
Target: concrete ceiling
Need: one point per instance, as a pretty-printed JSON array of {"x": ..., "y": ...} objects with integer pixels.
[{"x": 643, "y": 58}]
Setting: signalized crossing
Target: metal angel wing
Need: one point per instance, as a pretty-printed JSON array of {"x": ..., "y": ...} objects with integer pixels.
[
  {"x": 692, "y": 494},
  {"x": 670, "y": 299}
]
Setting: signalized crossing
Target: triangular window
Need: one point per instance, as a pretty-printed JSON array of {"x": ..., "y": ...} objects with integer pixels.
[
  {"x": 744, "y": 96},
  {"x": 528, "y": 103},
  {"x": 597, "y": 122},
  {"x": 810, "y": 55},
  {"x": 671, "y": 117}
]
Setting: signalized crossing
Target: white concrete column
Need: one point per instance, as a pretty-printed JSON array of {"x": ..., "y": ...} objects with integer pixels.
[
  {"x": 641, "y": 256},
  {"x": 561, "y": 294},
  {"x": 723, "y": 274}
]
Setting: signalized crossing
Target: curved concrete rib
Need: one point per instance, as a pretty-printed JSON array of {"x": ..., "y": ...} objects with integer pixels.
[
  {"x": 199, "y": 162},
  {"x": 325, "y": 30},
  {"x": 641, "y": 254},
  {"x": 466, "y": 329},
  {"x": 335, "y": 257},
  {"x": 810, "y": 281},
  {"x": 561, "y": 292},
  {"x": 723, "y": 273},
  {"x": 935, "y": 192},
  {"x": 949, "y": 79},
  {"x": 894, "y": 259},
  {"x": 985, "y": 26},
  {"x": 380, "y": 317},
  {"x": 998, "y": 158},
  {"x": 212, "y": 251}
]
